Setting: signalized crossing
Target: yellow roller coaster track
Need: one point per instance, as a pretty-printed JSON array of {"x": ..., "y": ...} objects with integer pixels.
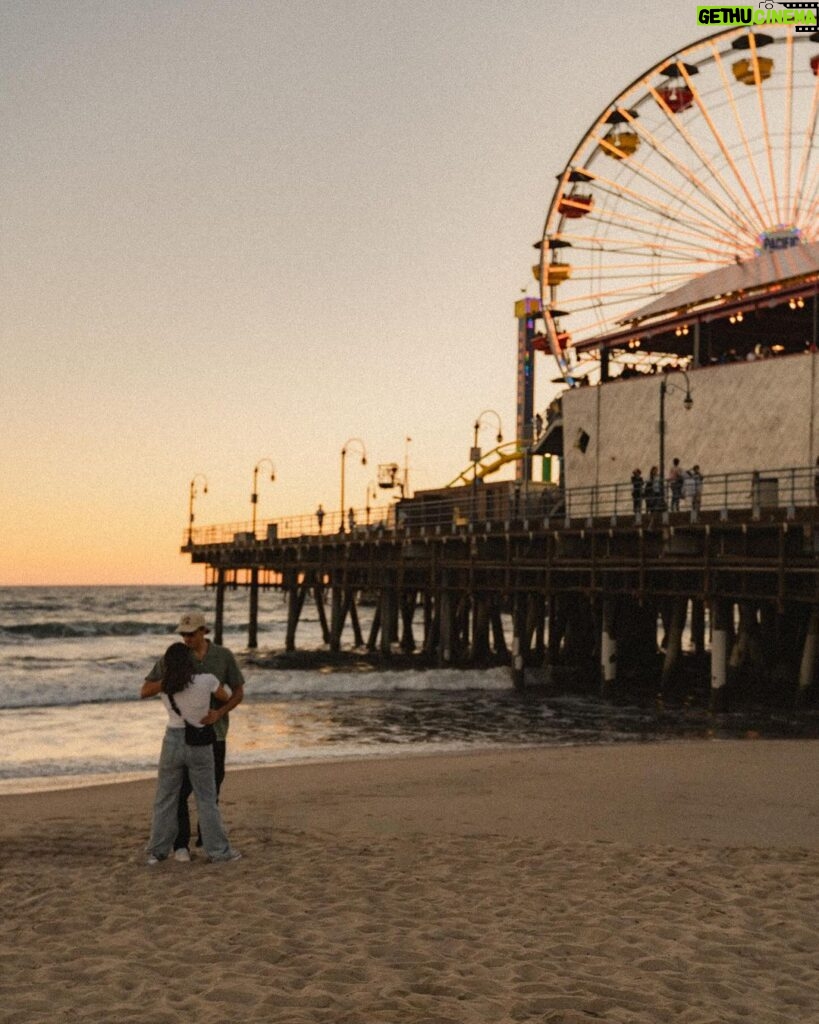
[{"x": 491, "y": 462}]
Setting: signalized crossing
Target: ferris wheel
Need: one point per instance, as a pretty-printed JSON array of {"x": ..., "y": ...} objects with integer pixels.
[{"x": 704, "y": 161}]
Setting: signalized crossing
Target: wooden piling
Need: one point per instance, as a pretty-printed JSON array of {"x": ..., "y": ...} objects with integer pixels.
[
  {"x": 673, "y": 645},
  {"x": 608, "y": 648},
  {"x": 807, "y": 665},
  {"x": 318, "y": 594},
  {"x": 480, "y": 630},
  {"x": 295, "y": 602},
  {"x": 253, "y": 614},
  {"x": 336, "y": 615},
  {"x": 720, "y": 618},
  {"x": 219, "y": 617},
  {"x": 408, "y": 603},
  {"x": 387, "y": 606},
  {"x": 446, "y": 626},
  {"x": 358, "y": 638}
]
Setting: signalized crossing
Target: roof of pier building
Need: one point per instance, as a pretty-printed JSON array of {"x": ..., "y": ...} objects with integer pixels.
[{"x": 762, "y": 302}]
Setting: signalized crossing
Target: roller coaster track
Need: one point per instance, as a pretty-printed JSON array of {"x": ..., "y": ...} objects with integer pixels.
[{"x": 491, "y": 462}]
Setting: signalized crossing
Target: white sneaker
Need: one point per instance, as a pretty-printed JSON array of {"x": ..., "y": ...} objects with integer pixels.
[
  {"x": 182, "y": 855},
  {"x": 152, "y": 860}
]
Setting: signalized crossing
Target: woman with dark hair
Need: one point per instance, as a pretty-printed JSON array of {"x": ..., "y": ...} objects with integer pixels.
[{"x": 186, "y": 696}]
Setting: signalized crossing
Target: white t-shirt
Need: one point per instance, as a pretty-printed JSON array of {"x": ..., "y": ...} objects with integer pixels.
[{"x": 193, "y": 701}]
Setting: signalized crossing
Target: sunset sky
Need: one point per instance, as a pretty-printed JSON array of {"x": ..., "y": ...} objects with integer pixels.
[{"x": 253, "y": 229}]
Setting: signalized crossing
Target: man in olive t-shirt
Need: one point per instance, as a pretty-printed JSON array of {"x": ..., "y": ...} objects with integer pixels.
[{"x": 219, "y": 661}]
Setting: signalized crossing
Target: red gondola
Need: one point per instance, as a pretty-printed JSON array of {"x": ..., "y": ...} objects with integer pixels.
[
  {"x": 575, "y": 205},
  {"x": 677, "y": 97}
]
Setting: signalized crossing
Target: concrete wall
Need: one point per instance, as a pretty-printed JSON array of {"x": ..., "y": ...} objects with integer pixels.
[{"x": 746, "y": 416}]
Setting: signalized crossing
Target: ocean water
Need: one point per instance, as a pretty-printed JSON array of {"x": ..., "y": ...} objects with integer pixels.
[{"x": 73, "y": 660}]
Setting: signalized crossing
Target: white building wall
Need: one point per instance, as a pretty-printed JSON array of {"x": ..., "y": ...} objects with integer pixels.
[{"x": 745, "y": 416}]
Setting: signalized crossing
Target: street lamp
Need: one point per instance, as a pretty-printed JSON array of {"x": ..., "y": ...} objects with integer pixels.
[
  {"x": 372, "y": 495},
  {"x": 347, "y": 447},
  {"x": 406, "y": 491},
  {"x": 193, "y": 495},
  {"x": 254, "y": 497},
  {"x": 475, "y": 454},
  {"x": 688, "y": 401}
]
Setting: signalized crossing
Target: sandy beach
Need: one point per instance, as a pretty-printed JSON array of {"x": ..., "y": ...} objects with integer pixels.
[{"x": 628, "y": 883}]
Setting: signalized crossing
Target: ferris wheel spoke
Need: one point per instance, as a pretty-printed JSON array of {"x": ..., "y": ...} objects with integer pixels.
[
  {"x": 647, "y": 242},
  {"x": 813, "y": 197},
  {"x": 788, "y": 134},
  {"x": 729, "y": 209},
  {"x": 583, "y": 271},
  {"x": 807, "y": 148},
  {"x": 657, "y": 181},
  {"x": 722, "y": 144},
  {"x": 703, "y": 229},
  {"x": 769, "y": 215},
  {"x": 663, "y": 210},
  {"x": 636, "y": 292},
  {"x": 766, "y": 134}
]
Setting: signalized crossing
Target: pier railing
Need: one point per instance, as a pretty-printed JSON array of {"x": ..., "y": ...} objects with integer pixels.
[{"x": 756, "y": 494}]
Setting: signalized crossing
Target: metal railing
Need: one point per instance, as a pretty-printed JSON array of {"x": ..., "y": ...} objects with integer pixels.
[
  {"x": 364, "y": 521},
  {"x": 756, "y": 493}
]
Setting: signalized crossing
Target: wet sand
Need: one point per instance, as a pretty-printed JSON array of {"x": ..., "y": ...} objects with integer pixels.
[{"x": 626, "y": 883}]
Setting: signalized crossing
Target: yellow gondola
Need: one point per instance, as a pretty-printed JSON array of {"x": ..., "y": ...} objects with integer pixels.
[
  {"x": 557, "y": 273},
  {"x": 620, "y": 143},
  {"x": 744, "y": 69}
]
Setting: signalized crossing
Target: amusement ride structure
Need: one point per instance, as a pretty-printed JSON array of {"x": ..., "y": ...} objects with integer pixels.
[{"x": 691, "y": 200}]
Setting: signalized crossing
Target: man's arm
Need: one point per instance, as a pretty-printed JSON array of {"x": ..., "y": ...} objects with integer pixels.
[
  {"x": 216, "y": 713},
  {"x": 150, "y": 688}
]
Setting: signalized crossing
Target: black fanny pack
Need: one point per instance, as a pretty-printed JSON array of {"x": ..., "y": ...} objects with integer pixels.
[{"x": 195, "y": 735}]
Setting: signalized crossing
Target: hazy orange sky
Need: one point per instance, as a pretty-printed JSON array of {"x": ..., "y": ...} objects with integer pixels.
[{"x": 241, "y": 230}]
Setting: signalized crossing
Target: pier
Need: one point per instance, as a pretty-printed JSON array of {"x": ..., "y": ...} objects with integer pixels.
[{"x": 579, "y": 578}]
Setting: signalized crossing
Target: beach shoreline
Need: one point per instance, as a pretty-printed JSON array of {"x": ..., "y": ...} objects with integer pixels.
[{"x": 625, "y": 882}]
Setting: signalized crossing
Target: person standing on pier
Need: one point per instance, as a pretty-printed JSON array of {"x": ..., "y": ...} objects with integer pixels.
[
  {"x": 676, "y": 477},
  {"x": 692, "y": 487},
  {"x": 320, "y": 517},
  {"x": 210, "y": 658},
  {"x": 654, "y": 491},
  {"x": 637, "y": 490}
]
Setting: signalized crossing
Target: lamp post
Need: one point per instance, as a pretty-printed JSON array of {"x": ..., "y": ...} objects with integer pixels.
[
  {"x": 193, "y": 495},
  {"x": 372, "y": 495},
  {"x": 475, "y": 454},
  {"x": 347, "y": 447},
  {"x": 406, "y": 492},
  {"x": 254, "y": 497},
  {"x": 688, "y": 401}
]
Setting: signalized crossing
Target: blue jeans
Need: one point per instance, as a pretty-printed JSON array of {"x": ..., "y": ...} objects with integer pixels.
[
  {"x": 176, "y": 756},
  {"x": 183, "y": 834}
]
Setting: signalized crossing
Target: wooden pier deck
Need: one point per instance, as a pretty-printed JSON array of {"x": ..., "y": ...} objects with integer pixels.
[{"x": 582, "y": 578}]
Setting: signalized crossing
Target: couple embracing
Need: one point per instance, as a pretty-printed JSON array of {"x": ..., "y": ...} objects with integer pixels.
[{"x": 192, "y": 760}]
